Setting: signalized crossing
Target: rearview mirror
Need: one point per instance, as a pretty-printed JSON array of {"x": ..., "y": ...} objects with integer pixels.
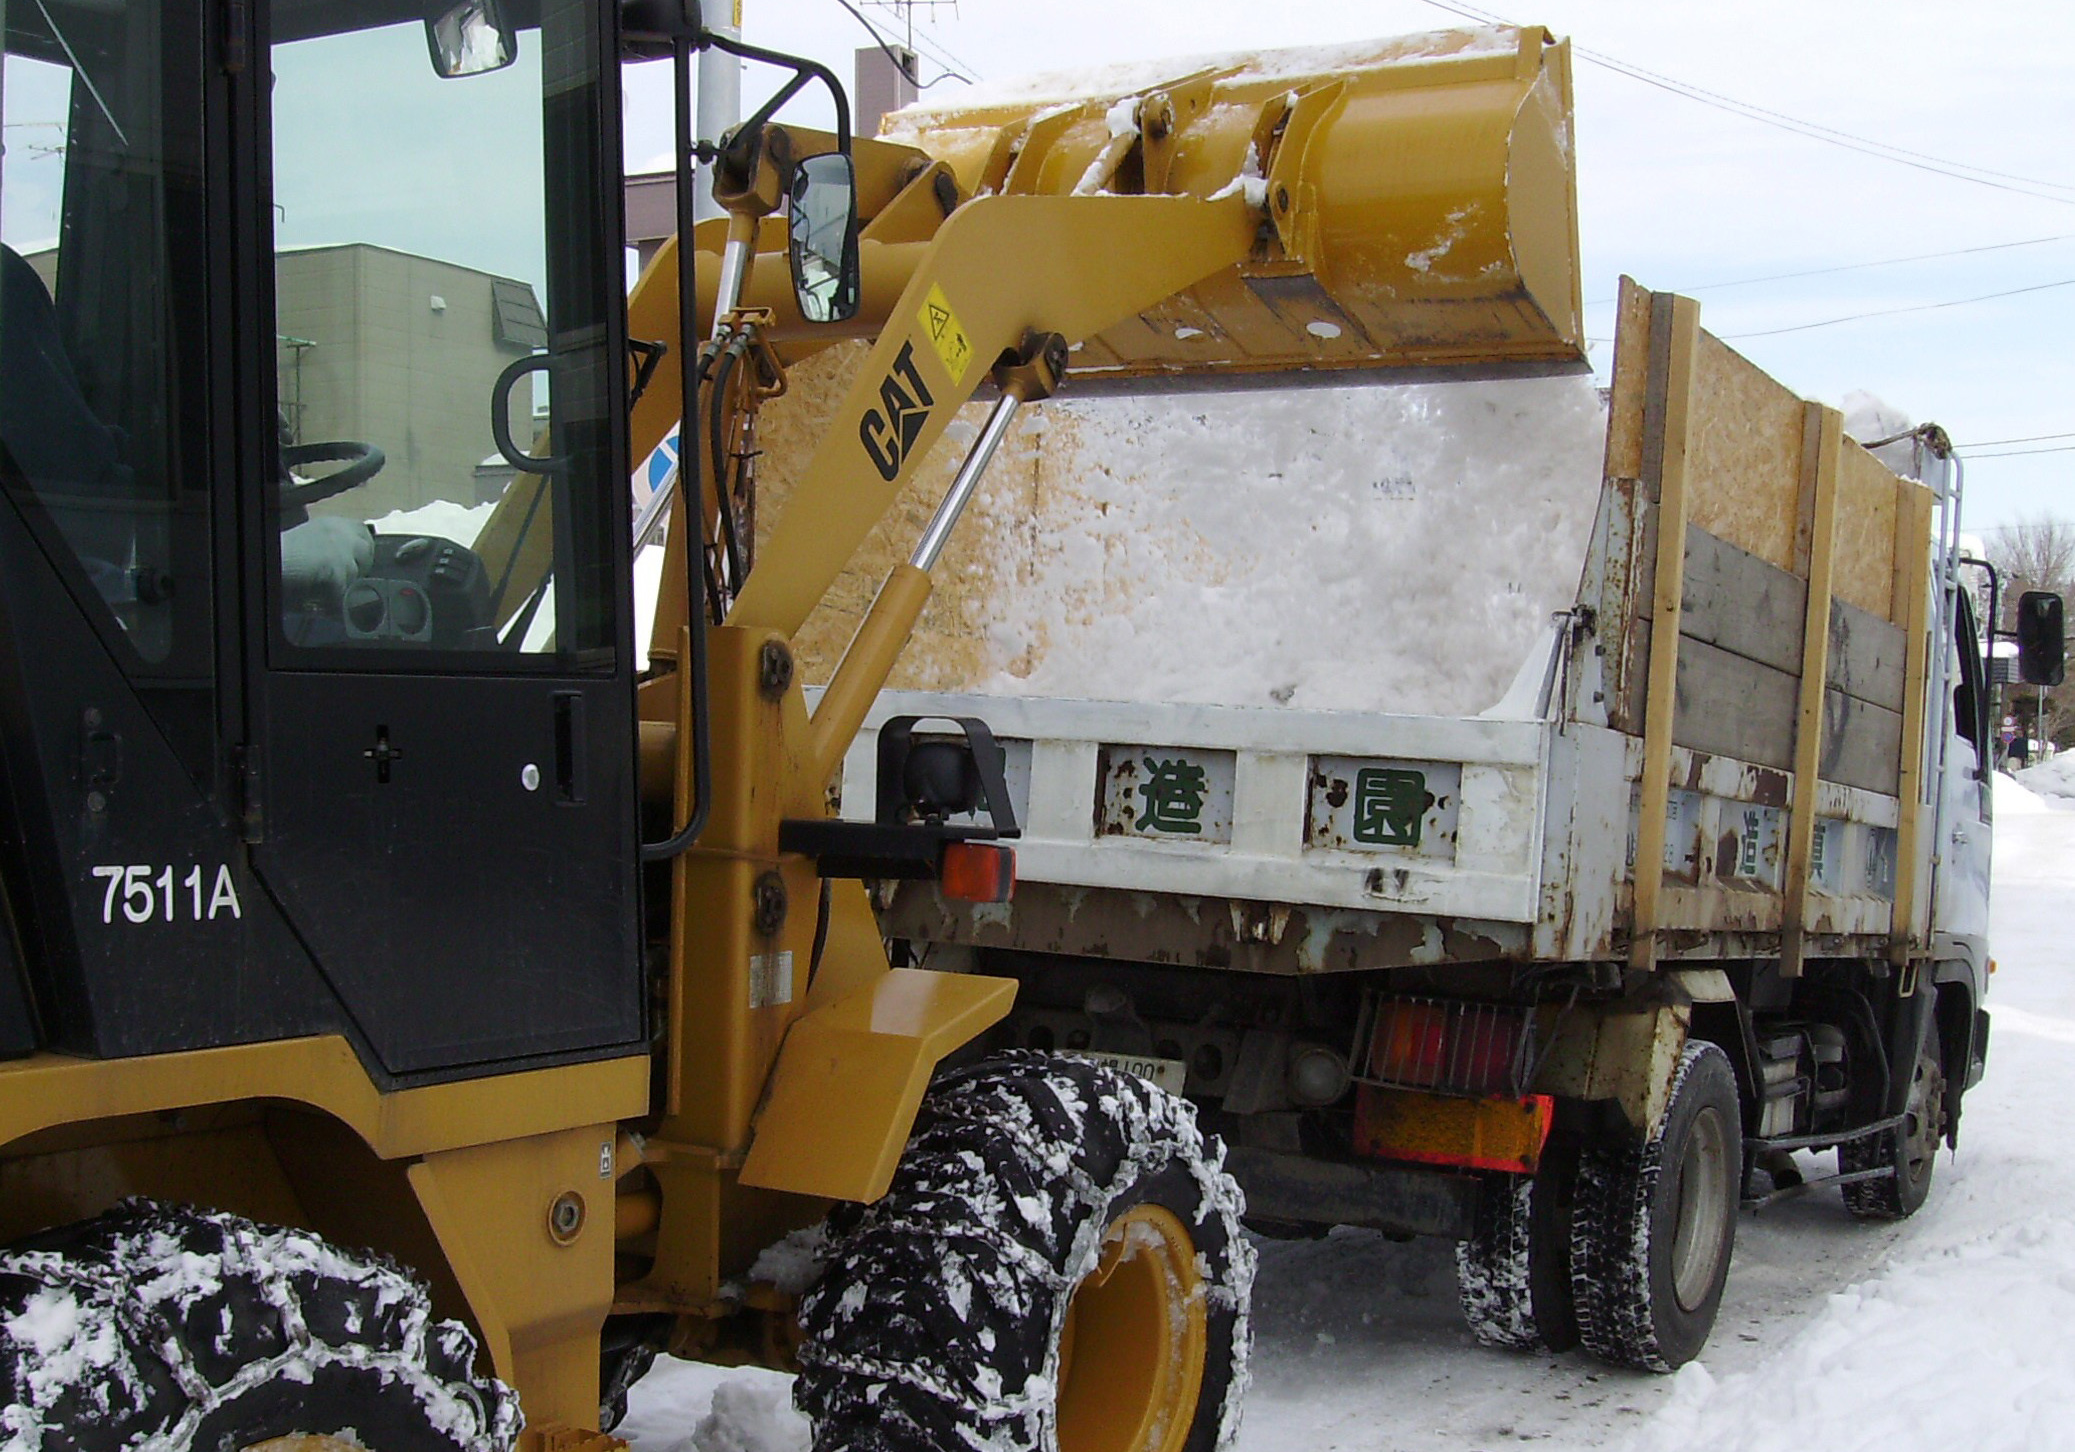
[
  {"x": 471, "y": 39},
  {"x": 2041, "y": 641},
  {"x": 821, "y": 213}
]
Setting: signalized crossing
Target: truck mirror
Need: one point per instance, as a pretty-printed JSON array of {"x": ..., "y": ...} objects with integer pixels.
[
  {"x": 471, "y": 38},
  {"x": 2041, "y": 642},
  {"x": 821, "y": 213}
]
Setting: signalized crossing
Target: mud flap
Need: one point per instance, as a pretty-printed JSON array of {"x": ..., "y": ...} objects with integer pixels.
[{"x": 843, "y": 1096}]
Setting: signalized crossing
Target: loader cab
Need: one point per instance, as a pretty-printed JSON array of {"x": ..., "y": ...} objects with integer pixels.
[{"x": 315, "y": 658}]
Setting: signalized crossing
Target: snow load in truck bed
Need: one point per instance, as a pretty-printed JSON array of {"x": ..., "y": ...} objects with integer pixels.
[{"x": 1395, "y": 548}]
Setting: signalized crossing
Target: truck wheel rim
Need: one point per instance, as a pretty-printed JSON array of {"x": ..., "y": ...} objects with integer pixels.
[
  {"x": 1131, "y": 1352},
  {"x": 306, "y": 1442},
  {"x": 1703, "y": 1202}
]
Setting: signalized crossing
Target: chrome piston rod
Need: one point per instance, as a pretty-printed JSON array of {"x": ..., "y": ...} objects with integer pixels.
[{"x": 960, "y": 494}]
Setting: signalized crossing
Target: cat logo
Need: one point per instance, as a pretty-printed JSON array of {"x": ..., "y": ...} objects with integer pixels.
[{"x": 891, "y": 430}]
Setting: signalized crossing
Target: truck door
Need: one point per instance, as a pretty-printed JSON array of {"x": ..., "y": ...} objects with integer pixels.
[{"x": 439, "y": 645}]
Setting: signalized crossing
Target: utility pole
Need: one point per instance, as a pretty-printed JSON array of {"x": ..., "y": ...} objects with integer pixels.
[{"x": 720, "y": 100}]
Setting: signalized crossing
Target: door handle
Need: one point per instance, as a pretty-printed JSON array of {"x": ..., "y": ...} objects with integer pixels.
[{"x": 570, "y": 753}]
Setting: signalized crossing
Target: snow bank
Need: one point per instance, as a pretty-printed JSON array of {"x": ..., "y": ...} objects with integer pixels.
[
  {"x": 2053, "y": 777},
  {"x": 1374, "y": 548},
  {"x": 749, "y": 1416},
  {"x": 2014, "y": 799},
  {"x": 686, "y": 1406}
]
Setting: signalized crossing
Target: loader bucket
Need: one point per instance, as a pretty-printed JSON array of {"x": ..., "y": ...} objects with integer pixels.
[{"x": 1418, "y": 194}]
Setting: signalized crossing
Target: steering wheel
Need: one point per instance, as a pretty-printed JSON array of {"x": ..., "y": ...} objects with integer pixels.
[{"x": 361, "y": 462}]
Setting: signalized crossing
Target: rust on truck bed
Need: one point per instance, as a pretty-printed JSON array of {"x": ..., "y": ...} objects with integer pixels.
[{"x": 1198, "y": 932}]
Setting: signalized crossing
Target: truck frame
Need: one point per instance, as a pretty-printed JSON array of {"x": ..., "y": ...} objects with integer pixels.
[{"x": 1568, "y": 982}]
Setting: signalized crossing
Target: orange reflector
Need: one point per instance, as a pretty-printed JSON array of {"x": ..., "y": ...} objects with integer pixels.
[
  {"x": 1443, "y": 1129},
  {"x": 978, "y": 872}
]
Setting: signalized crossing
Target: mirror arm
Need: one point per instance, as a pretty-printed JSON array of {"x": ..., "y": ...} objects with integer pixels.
[{"x": 803, "y": 70}]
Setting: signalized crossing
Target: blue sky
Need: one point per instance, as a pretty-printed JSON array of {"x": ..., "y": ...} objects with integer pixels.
[{"x": 1684, "y": 196}]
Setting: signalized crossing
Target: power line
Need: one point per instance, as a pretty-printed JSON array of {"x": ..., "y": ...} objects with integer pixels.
[
  {"x": 906, "y": 68},
  {"x": 943, "y": 53},
  {"x": 2018, "y": 453},
  {"x": 1891, "y": 312},
  {"x": 2028, "y": 439},
  {"x": 1852, "y": 267},
  {"x": 1902, "y": 156}
]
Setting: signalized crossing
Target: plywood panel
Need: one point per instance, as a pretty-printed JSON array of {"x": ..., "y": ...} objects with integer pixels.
[
  {"x": 1865, "y": 532},
  {"x": 1744, "y": 454}
]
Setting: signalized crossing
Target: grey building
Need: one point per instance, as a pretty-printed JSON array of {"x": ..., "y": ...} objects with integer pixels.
[{"x": 403, "y": 352}]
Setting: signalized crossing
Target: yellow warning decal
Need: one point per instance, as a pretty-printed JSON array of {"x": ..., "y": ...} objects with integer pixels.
[{"x": 946, "y": 334}]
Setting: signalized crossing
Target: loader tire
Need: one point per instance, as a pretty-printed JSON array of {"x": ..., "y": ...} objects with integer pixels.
[
  {"x": 1653, "y": 1223},
  {"x": 176, "y": 1330},
  {"x": 1514, "y": 1272},
  {"x": 1910, "y": 1149},
  {"x": 1058, "y": 1267}
]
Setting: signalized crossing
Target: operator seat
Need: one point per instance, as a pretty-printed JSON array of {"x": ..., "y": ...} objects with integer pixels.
[{"x": 62, "y": 451}]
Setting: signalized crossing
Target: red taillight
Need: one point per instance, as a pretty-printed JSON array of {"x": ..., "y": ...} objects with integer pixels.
[
  {"x": 1456, "y": 1048},
  {"x": 978, "y": 872}
]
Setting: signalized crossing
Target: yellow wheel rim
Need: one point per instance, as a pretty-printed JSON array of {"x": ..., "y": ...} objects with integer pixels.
[
  {"x": 1131, "y": 1353},
  {"x": 305, "y": 1442}
]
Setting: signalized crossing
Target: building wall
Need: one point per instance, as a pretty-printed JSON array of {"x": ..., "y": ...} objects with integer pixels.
[{"x": 407, "y": 351}]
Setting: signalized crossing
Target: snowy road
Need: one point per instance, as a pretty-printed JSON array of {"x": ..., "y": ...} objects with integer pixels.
[{"x": 1956, "y": 1328}]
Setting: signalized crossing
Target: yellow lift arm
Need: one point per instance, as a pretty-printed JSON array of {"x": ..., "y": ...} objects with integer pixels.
[{"x": 1303, "y": 210}]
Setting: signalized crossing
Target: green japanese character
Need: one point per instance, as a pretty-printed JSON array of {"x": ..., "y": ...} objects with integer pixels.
[
  {"x": 1389, "y": 805},
  {"x": 1173, "y": 793}
]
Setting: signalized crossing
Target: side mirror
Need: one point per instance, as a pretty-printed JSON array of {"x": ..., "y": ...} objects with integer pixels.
[
  {"x": 821, "y": 211},
  {"x": 2041, "y": 641},
  {"x": 472, "y": 38}
]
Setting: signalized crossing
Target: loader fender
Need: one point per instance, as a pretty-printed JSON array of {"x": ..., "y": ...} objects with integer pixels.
[{"x": 843, "y": 1095}]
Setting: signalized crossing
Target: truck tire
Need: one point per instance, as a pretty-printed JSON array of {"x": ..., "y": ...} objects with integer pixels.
[
  {"x": 171, "y": 1329},
  {"x": 1058, "y": 1267},
  {"x": 1514, "y": 1272},
  {"x": 1910, "y": 1149},
  {"x": 1654, "y": 1223}
]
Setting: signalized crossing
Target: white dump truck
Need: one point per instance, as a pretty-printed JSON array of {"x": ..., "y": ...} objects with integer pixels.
[{"x": 1566, "y": 974}]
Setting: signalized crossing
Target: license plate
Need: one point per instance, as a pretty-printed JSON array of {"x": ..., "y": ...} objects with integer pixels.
[{"x": 1169, "y": 1074}]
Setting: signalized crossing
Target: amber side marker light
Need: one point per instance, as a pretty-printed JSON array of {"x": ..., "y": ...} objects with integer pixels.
[{"x": 978, "y": 872}]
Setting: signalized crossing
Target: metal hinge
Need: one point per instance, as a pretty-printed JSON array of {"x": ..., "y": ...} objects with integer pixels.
[{"x": 236, "y": 28}]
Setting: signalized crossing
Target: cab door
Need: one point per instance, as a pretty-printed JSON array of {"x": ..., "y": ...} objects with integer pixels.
[{"x": 443, "y": 776}]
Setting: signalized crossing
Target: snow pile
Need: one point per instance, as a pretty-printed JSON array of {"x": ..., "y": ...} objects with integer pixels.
[
  {"x": 1396, "y": 548},
  {"x": 2015, "y": 799},
  {"x": 1869, "y": 419},
  {"x": 749, "y": 1416},
  {"x": 1964, "y": 1347},
  {"x": 794, "y": 1263},
  {"x": 2053, "y": 777}
]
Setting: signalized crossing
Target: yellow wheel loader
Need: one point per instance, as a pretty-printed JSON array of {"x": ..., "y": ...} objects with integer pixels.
[{"x": 421, "y": 1007}]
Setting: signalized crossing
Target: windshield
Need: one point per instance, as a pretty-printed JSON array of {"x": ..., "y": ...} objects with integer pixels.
[
  {"x": 100, "y": 204},
  {"x": 440, "y": 311}
]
